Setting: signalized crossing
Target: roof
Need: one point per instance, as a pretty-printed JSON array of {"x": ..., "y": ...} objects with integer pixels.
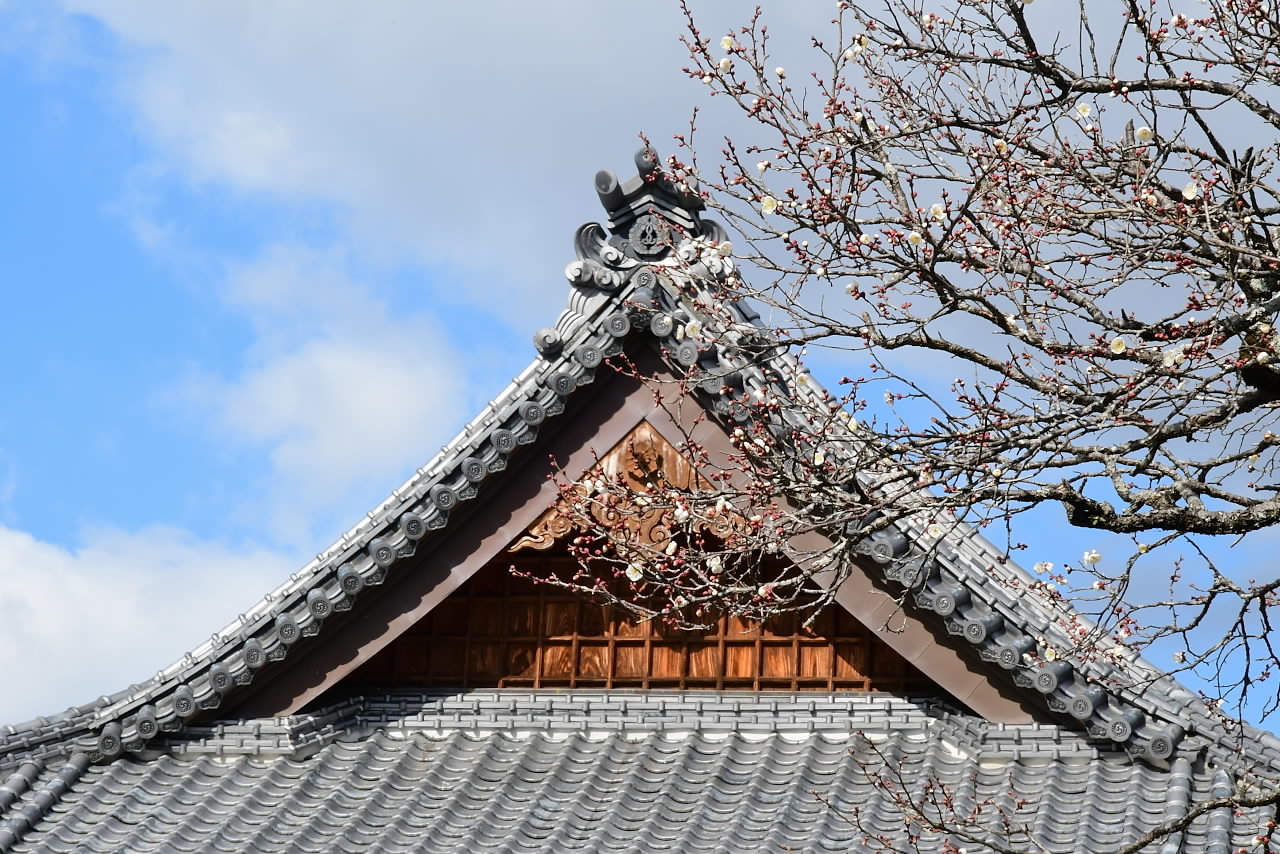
[
  {"x": 1144, "y": 732},
  {"x": 534, "y": 772}
]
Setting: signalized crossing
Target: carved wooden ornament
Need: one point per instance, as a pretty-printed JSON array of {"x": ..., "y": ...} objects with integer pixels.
[{"x": 642, "y": 460}]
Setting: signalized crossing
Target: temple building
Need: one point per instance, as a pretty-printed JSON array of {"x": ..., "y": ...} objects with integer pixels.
[{"x": 407, "y": 692}]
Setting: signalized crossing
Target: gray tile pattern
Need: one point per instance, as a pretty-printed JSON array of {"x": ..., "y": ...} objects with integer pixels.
[
  {"x": 614, "y": 296},
  {"x": 528, "y": 772}
]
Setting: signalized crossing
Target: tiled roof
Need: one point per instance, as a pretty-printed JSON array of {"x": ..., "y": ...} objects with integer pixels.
[
  {"x": 620, "y": 294},
  {"x": 529, "y": 772}
]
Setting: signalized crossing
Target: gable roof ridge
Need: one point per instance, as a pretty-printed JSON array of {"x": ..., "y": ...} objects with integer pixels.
[
  {"x": 625, "y": 712},
  {"x": 621, "y": 284}
]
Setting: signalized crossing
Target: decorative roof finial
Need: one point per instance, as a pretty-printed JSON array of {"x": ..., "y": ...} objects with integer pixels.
[{"x": 649, "y": 212}]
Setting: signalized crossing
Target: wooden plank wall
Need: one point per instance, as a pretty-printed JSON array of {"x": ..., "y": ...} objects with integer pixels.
[{"x": 502, "y": 631}]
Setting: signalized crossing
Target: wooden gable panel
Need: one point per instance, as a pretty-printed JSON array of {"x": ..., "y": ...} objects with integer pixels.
[{"x": 502, "y": 631}]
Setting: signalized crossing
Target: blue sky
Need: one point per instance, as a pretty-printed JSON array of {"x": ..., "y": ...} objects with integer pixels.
[{"x": 259, "y": 262}]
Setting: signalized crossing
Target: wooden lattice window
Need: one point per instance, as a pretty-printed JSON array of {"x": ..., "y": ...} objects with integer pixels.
[{"x": 503, "y": 631}]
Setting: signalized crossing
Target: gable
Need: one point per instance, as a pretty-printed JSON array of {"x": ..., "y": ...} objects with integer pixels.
[
  {"x": 489, "y": 485},
  {"x": 500, "y": 630}
]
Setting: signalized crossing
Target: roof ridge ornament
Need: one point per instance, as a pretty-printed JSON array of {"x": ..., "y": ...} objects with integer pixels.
[
  {"x": 652, "y": 223},
  {"x": 650, "y": 213}
]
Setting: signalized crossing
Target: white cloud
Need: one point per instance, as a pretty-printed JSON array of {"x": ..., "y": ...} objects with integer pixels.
[
  {"x": 87, "y": 621},
  {"x": 341, "y": 391},
  {"x": 438, "y": 130}
]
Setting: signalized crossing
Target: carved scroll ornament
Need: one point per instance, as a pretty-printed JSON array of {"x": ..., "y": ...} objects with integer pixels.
[{"x": 640, "y": 461}]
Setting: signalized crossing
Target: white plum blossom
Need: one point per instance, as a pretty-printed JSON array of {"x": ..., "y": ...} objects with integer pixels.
[
  {"x": 715, "y": 563},
  {"x": 935, "y": 531},
  {"x": 915, "y": 238},
  {"x": 938, "y": 211},
  {"x": 1174, "y": 356},
  {"x": 762, "y": 166},
  {"x": 1083, "y": 109},
  {"x": 766, "y": 591},
  {"x": 1180, "y": 657},
  {"x": 725, "y": 64},
  {"x": 1144, "y": 134},
  {"x": 726, "y": 43},
  {"x": 1191, "y": 190},
  {"x": 768, "y": 205},
  {"x": 681, "y": 513},
  {"x": 1001, "y": 146},
  {"x": 1043, "y": 567},
  {"x": 1118, "y": 345},
  {"x": 725, "y": 248},
  {"x": 859, "y": 45},
  {"x": 1091, "y": 558},
  {"x": 635, "y": 572},
  {"x": 781, "y": 72}
]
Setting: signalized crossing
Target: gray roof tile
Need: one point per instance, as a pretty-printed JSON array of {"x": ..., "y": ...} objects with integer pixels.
[
  {"x": 459, "y": 774},
  {"x": 411, "y": 784},
  {"x": 256, "y": 641}
]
